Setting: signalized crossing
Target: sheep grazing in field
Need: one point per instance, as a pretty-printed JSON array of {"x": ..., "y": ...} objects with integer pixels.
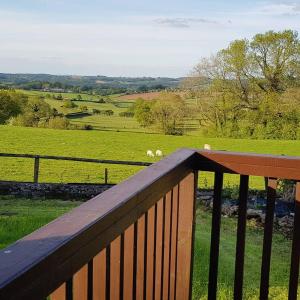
[
  {"x": 150, "y": 153},
  {"x": 158, "y": 153},
  {"x": 207, "y": 147}
]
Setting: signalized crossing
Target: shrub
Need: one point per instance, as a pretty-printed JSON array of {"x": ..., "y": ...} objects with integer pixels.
[
  {"x": 69, "y": 104},
  {"x": 83, "y": 108},
  {"x": 96, "y": 111},
  {"x": 107, "y": 112},
  {"x": 126, "y": 114},
  {"x": 58, "y": 123}
]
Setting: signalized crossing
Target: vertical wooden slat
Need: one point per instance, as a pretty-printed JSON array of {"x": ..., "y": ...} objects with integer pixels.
[
  {"x": 150, "y": 253},
  {"x": 159, "y": 248},
  {"x": 134, "y": 261},
  {"x": 267, "y": 243},
  {"x": 128, "y": 262},
  {"x": 185, "y": 235},
  {"x": 294, "y": 271},
  {"x": 99, "y": 275},
  {"x": 240, "y": 241},
  {"x": 107, "y": 270},
  {"x": 140, "y": 257},
  {"x": 122, "y": 254},
  {"x": 59, "y": 294},
  {"x": 193, "y": 233},
  {"x": 174, "y": 232},
  {"x": 215, "y": 237},
  {"x": 80, "y": 284},
  {"x": 115, "y": 247},
  {"x": 166, "y": 247}
]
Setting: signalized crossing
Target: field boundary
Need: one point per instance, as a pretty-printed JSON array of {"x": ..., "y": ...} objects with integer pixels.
[{"x": 37, "y": 158}]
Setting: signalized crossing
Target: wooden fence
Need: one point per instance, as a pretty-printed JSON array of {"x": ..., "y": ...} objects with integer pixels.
[{"x": 37, "y": 158}]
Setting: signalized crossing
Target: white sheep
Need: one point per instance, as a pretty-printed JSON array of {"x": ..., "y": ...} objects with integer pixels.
[
  {"x": 158, "y": 153},
  {"x": 207, "y": 147},
  {"x": 150, "y": 153}
]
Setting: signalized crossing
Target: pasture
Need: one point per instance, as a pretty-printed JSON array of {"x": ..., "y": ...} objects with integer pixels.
[
  {"x": 117, "y": 103},
  {"x": 113, "y": 145}
]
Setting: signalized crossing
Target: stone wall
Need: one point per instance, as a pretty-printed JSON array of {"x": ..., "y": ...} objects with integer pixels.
[{"x": 52, "y": 190}]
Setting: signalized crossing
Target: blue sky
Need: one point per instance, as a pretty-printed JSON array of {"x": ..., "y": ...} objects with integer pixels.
[{"x": 129, "y": 38}]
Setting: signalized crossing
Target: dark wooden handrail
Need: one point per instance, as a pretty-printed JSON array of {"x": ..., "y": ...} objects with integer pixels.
[
  {"x": 277, "y": 166},
  {"x": 146, "y": 221}
]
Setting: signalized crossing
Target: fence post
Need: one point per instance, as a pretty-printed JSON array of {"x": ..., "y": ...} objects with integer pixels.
[
  {"x": 36, "y": 169},
  {"x": 105, "y": 175}
]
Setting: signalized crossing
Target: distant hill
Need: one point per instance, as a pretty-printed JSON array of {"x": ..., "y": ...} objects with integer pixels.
[{"x": 133, "y": 83}]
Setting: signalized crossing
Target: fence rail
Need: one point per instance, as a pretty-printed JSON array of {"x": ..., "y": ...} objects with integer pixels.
[
  {"x": 136, "y": 240},
  {"x": 37, "y": 159}
]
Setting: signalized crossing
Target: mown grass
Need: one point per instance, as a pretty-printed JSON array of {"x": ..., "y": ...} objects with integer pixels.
[
  {"x": 19, "y": 217},
  {"x": 115, "y": 146},
  {"x": 280, "y": 260}
]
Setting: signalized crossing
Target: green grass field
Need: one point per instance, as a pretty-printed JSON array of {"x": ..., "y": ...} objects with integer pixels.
[
  {"x": 112, "y": 145},
  {"x": 115, "y": 102},
  {"x": 19, "y": 217}
]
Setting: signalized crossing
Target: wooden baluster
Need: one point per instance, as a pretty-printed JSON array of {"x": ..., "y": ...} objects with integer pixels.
[
  {"x": 80, "y": 284},
  {"x": 128, "y": 263},
  {"x": 294, "y": 271},
  {"x": 173, "y": 252},
  {"x": 240, "y": 241},
  {"x": 115, "y": 276},
  {"x": 141, "y": 257},
  {"x": 159, "y": 248},
  {"x": 166, "y": 247},
  {"x": 150, "y": 252},
  {"x": 59, "y": 294},
  {"x": 185, "y": 236},
  {"x": 215, "y": 237},
  {"x": 99, "y": 275},
  {"x": 267, "y": 243}
]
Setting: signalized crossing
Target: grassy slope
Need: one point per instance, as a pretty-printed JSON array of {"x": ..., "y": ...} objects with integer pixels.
[
  {"x": 102, "y": 122},
  {"x": 110, "y": 145},
  {"x": 28, "y": 215}
]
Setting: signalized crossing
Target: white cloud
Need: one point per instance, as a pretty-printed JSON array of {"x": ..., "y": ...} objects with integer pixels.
[
  {"x": 183, "y": 22},
  {"x": 281, "y": 9}
]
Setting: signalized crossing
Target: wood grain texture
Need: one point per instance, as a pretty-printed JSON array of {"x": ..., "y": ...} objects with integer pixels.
[
  {"x": 59, "y": 294},
  {"x": 80, "y": 284},
  {"x": 185, "y": 227},
  {"x": 99, "y": 278},
  {"x": 174, "y": 234}
]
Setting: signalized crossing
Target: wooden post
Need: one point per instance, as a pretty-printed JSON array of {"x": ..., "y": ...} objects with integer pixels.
[
  {"x": 105, "y": 175},
  {"x": 36, "y": 169}
]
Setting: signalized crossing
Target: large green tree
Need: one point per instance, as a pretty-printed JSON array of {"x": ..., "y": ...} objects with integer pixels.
[{"x": 248, "y": 84}]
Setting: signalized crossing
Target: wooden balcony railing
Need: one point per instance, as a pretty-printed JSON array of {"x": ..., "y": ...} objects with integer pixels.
[{"x": 135, "y": 241}]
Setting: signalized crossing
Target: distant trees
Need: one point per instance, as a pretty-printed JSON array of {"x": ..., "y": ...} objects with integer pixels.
[
  {"x": 11, "y": 104},
  {"x": 167, "y": 112},
  {"x": 69, "y": 104},
  {"x": 33, "y": 113},
  {"x": 246, "y": 89}
]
